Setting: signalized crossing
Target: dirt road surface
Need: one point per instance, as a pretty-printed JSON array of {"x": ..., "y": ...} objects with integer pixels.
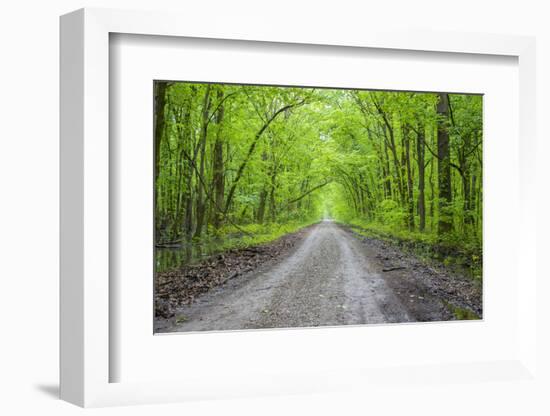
[{"x": 332, "y": 278}]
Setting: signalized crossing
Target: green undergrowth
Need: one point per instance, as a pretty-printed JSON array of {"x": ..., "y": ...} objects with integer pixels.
[
  {"x": 453, "y": 251},
  {"x": 461, "y": 314},
  {"x": 257, "y": 234}
]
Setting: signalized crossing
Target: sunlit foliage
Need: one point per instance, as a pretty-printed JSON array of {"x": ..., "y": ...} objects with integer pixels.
[{"x": 233, "y": 158}]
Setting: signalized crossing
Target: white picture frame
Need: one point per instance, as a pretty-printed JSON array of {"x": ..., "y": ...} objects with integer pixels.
[{"x": 86, "y": 356}]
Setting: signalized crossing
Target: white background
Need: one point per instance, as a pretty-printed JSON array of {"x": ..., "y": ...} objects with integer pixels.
[
  {"x": 137, "y": 60},
  {"x": 29, "y": 207}
]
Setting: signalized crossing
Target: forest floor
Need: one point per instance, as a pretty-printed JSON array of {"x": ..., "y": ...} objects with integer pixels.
[{"x": 323, "y": 275}]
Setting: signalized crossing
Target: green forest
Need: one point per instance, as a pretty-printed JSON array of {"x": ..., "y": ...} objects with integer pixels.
[{"x": 245, "y": 164}]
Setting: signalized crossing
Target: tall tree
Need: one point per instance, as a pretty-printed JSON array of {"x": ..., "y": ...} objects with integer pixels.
[
  {"x": 218, "y": 178},
  {"x": 420, "y": 151},
  {"x": 159, "y": 119},
  {"x": 410, "y": 186},
  {"x": 445, "y": 223},
  {"x": 201, "y": 203}
]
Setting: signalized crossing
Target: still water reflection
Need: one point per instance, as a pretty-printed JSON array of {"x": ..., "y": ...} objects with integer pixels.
[{"x": 188, "y": 253}]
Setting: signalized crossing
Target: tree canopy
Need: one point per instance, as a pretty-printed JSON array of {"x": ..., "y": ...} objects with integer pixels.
[{"x": 232, "y": 156}]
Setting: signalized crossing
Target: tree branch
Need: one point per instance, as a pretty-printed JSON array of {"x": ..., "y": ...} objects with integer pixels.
[
  {"x": 209, "y": 196},
  {"x": 218, "y": 106},
  {"x": 251, "y": 150},
  {"x": 454, "y": 165},
  {"x": 308, "y": 192}
]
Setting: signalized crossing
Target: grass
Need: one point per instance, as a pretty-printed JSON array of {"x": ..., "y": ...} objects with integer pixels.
[
  {"x": 257, "y": 234},
  {"x": 453, "y": 251}
]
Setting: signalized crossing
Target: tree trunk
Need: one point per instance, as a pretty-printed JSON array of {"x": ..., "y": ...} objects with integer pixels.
[
  {"x": 201, "y": 203},
  {"x": 432, "y": 195},
  {"x": 396, "y": 163},
  {"x": 272, "y": 204},
  {"x": 160, "y": 104},
  {"x": 184, "y": 170},
  {"x": 445, "y": 223},
  {"x": 261, "y": 207},
  {"x": 159, "y": 121},
  {"x": 421, "y": 169},
  {"x": 386, "y": 167},
  {"x": 218, "y": 180},
  {"x": 473, "y": 202},
  {"x": 410, "y": 197}
]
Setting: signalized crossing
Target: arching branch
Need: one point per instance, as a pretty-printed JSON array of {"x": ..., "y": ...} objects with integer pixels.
[{"x": 309, "y": 191}]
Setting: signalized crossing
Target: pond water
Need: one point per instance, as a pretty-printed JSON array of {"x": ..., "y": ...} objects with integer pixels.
[{"x": 188, "y": 253}]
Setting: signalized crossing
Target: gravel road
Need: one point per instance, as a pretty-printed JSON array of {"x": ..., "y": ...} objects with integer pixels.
[{"x": 332, "y": 278}]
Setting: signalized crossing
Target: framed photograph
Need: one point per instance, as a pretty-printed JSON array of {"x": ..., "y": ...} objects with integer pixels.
[
  {"x": 301, "y": 196},
  {"x": 281, "y": 213}
]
